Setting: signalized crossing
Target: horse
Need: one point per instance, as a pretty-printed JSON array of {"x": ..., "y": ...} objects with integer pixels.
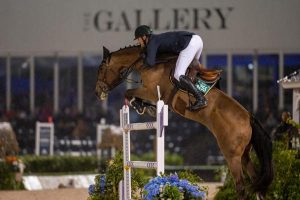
[{"x": 235, "y": 129}]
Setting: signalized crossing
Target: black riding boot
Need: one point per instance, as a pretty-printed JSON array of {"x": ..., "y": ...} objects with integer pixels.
[{"x": 187, "y": 84}]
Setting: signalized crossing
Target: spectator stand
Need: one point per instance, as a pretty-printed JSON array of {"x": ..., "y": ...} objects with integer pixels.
[{"x": 292, "y": 81}]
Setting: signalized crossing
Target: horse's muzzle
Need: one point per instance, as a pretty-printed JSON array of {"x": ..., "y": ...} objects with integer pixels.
[
  {"x": 101, "y": 90},
  {"x": 103, "y": 96}
]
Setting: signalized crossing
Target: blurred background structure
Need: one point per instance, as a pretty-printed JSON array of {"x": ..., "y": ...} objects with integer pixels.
[{"x": 50, "y": 52}]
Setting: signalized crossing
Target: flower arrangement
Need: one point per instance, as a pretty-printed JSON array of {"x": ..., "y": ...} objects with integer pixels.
[
  {"x": 11, "y": 171},
  {"x": 171, "y": 187},
  {"x": 179, "y": 187},
  {"x": 106, "y": 186},
  {"x": 99, "y": 187},
  {"x": 13, "y": 162}
]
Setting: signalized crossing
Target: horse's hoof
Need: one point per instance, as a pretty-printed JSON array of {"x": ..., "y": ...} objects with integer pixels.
[
  {"x": 140, "y": 112},
  {"x": 130, "y": 102},
  {"x": 259, "y": 196}
]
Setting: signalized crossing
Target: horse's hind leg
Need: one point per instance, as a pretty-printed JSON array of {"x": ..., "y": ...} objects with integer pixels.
[
  {"x": 248, "y": 164},
  {"x": 235, "y": 166}
]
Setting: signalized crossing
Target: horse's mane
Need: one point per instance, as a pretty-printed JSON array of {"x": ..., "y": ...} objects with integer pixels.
[{"x": 130, "y": 47}]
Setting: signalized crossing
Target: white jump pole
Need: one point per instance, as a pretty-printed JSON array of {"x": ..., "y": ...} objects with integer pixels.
[{"x": 159, "y": 125}]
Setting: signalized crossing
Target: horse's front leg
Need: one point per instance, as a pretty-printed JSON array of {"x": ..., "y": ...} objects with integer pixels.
[{"x": 142, "y": 100}]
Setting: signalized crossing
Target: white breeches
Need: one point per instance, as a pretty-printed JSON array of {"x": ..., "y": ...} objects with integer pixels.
[{"x": 186, "y": 56}]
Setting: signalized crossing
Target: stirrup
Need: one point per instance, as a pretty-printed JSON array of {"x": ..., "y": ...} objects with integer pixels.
[{"x": 199, "y": 107}]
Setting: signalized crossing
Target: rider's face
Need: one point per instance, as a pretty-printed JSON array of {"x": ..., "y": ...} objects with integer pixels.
[{"x": 142, "y": 41}]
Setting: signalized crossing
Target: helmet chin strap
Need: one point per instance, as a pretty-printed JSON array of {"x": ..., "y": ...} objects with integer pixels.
[{"x": 145, "y": 40}]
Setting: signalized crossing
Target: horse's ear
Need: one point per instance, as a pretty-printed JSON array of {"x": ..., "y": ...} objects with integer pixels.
[{"x": 105, "y": 52}]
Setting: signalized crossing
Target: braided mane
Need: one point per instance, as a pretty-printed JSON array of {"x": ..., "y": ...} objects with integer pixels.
[{"x": 126, "y": 48}]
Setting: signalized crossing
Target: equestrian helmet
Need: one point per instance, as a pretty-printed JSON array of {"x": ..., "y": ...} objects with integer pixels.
[{"x": 142, "y": 30}]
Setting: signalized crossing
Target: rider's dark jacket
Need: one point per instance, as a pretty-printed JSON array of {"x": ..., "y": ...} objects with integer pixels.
[{"x": 169, "y": 42}]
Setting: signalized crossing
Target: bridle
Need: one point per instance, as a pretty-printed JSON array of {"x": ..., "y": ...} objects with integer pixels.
[{"x": 122, "y": 77}]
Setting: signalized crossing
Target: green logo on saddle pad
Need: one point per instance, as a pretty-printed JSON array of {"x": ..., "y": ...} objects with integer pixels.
[{"x": 202, "y": 86}]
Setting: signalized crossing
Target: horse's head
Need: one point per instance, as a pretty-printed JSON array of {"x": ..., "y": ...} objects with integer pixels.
[{"x": 115, "y": 68}]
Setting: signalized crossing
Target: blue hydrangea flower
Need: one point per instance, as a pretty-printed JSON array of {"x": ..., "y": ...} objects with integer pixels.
[
  {"x": 91, "y": 189},
  {"x": 102, "y": 183},
  {"x": 153, "y": 188},
  {"x": 173, "y": 178},
  {"x": 99, "y": 187}
]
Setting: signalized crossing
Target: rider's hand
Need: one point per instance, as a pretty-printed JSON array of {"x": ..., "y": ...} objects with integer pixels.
[{"x": 143, "y": 56}]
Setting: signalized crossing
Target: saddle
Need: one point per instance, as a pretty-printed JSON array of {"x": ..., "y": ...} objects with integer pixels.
[
  {"x": 194, "y": 70},
  {"x": 204, "y": 79}
]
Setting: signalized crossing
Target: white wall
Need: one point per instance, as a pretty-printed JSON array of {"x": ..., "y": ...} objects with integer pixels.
[{"x": 76, "y": 25}]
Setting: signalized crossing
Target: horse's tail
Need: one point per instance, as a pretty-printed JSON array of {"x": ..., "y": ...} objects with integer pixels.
[{"x": 262, "y": 144}]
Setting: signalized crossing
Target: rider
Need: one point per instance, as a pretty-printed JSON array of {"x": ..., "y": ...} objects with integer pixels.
[{"x": 188, "y": 45}]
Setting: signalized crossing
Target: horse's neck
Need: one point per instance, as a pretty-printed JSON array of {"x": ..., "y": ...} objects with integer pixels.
[{"x": 158, "y": 75}]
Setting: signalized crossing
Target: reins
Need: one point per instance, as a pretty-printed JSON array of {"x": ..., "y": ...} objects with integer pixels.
[{"x": 124, "y": 74}]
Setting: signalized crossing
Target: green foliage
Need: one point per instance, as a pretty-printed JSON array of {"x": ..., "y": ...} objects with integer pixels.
[
  {"x": 171, "y": 192},
  {"x": 42, "y": 164},
  {"x": 286, "y": 184},
  {"x": 190, "y": 176},
  {"x": 7, "y": 178},
  {"x": 114, "y": 175},
  {"x": 227, "y": 191},
  {"x": 173, "y": 159},
  {"x": 293, "y": 123}
]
